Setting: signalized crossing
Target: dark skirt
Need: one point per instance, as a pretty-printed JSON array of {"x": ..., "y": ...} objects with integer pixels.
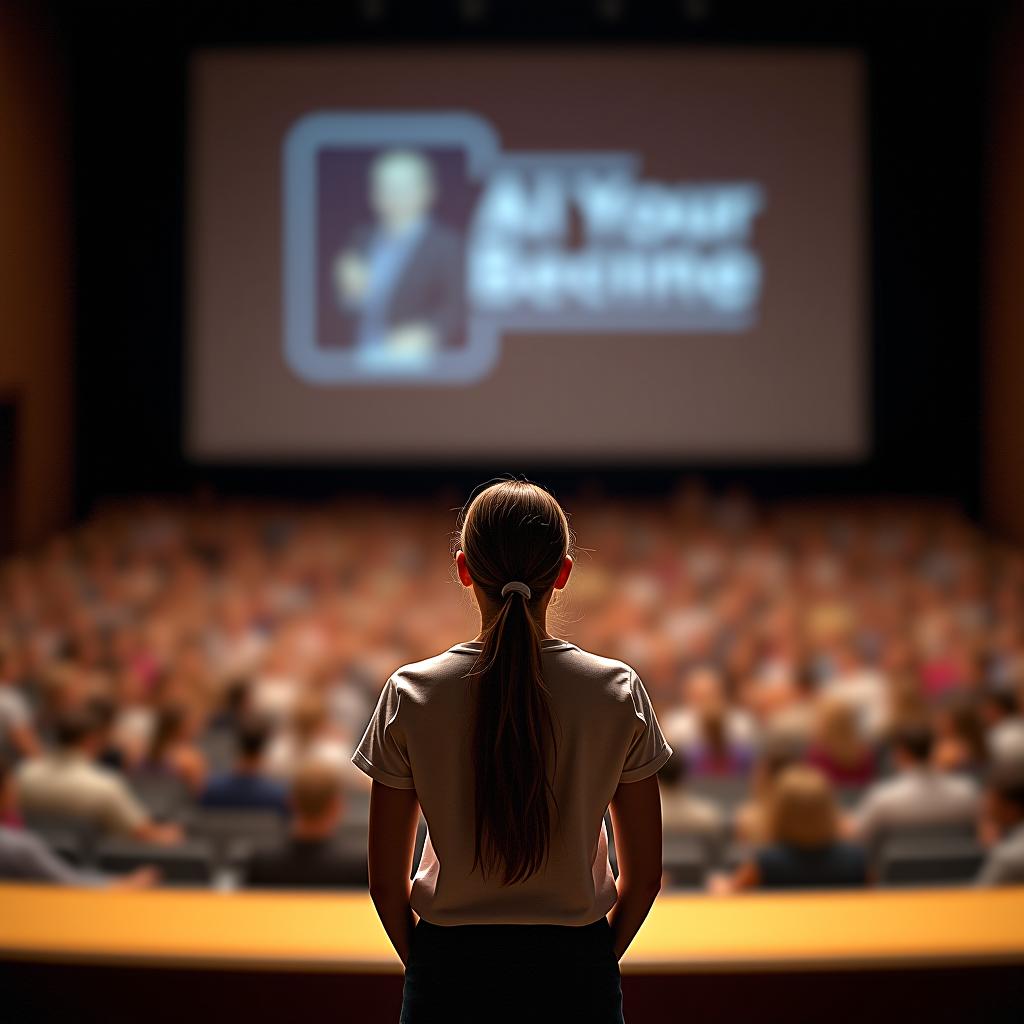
[{"x": 512, "y": 972}]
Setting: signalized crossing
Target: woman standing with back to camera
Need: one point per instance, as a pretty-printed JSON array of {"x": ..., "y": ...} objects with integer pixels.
[{"x": 514, "y": 745}]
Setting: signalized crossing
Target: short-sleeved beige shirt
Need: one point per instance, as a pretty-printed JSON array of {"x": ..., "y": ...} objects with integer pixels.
[
  {"x": 419, "y": 738},
  {"x": 69, "y": 785}
]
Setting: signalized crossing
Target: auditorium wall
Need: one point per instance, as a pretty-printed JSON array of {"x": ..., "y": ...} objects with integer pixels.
[
  {"x": 35, "y": 278},
  {"x": 1004, "y": 362}
]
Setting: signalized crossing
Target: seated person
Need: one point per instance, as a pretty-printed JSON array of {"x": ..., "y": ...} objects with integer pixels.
[
  {"x": 68, "y": 784},
  {"x": 310, "y": 859},
  {"x": 717, "y": 739},
  {"x": 750, "y": 820},
  {"x": 804, "y": 849},
  {"x": 173, "y": 752},
  {"x": 920, "y": 796},
  {"x": 839, "y": 748},
  {"x": 1004, "y": 811},
  {"x": 247, "y": 787},
  {"x": 682, "y": 811},
  {"x": 25, "y": 857}
]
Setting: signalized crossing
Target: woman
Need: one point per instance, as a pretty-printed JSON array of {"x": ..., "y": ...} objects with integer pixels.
[
  {"x": 839, "y": 748},
  {"x": 513, "y": 745},
  {"x": 309, "y": 738},
  {"x": 173, "y": 751},
  {"x": 804, "y": 850},
  {"x": 751, "y": 820}
]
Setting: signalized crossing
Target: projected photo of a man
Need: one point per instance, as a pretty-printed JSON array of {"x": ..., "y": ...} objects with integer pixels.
[{"x": 399, "y": 280}]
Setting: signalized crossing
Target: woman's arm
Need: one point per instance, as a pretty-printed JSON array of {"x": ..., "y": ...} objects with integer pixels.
[
  {"x": 636, "y": 821},
  {"x": 394, "y": 815}
]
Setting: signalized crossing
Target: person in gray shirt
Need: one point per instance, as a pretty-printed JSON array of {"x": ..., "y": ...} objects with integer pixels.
[
  {"x": 919, "y": 796},
  {"x": 25, "y": 857},
  {"x": 1004, "y": 810}
]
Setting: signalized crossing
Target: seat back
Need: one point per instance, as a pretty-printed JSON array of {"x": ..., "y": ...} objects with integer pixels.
[
  {"x": 166, "y": 797},
  {"x": 934, "y": 860},
  {"x": 685, "y": 859},
  {"x": 225, "y": 830},
  {"x": 74, "y": 839},
  {"x": 190, "y": 863}
]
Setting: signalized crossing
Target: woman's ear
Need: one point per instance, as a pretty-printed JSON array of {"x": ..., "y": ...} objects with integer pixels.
[
  {"x": 460, "y": 565},
  {"x": 563, "y": 573}
]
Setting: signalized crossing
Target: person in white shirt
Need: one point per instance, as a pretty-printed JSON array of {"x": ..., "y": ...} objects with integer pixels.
[
  {"x": 514, "y": 745},
  {"x": 67, "y": 784},
  {"x": 25, "y": 856},
  {"x": 919, "y": 796}
]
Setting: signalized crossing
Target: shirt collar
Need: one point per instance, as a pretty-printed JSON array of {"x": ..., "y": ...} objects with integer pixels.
[{"x": 549, "y": 644}]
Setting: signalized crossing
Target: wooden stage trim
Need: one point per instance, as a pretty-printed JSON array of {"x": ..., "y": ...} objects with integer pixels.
[{"x": 341, "y": 933}]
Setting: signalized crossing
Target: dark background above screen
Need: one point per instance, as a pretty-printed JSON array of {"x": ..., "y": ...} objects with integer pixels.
[{"x": 926, "y": 120}]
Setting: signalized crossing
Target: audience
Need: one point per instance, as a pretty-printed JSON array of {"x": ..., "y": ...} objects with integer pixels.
[
  {"x": 766, "y": 636},
  {"x": 67, "y": 784},
  {"x": 25, "y": 857},
  {"x": 920, "y": 796},
  {"x": 247, "y": 787},
  {"x": 804, "y": 848},
  {"x": 312, "y": 858}
]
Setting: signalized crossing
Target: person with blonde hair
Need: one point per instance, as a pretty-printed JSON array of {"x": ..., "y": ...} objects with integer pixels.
[
  {"x": 309, "y": 736},
  {"x": 804, "y": 850},
  {"x": 839, "y": 748}
]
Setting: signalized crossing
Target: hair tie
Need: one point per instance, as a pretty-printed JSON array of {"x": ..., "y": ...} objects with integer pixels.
[{"x": 518, "y": 587}]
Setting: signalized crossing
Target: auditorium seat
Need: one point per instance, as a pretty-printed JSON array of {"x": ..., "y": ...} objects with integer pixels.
[
  {"x": 964, "y": 831},
  {"x": 727, "y": 792},
  {"x": 224, "y": 829},
  {"x": 73, "y": 840},
  {"x": 685, "y": 859},
  {"x": 164, "y": 796},
  {"x": 219, "y": 747},
  {"x": 352, "y": 836},
  {"x": 190, "y": 863},
  {"x": 930, "y": 860}
]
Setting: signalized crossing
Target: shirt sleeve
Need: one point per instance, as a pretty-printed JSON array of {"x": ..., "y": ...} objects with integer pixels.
[
  {"x": 382, "y": 753},
  {"x": 1000, "y": 870},
  {"x": 649, "y": 749},
  {"x": 32, "y": 860},
  {"x": 122, "y": 813}
]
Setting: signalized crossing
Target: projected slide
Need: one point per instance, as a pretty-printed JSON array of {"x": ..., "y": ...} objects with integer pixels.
[
  {"x": 405, "y": 294},
  {"x": 456, "y": 255}
]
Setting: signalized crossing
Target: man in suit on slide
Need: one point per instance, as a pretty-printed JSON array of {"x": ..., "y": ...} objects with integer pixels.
[{"x": 401, "y": 279}]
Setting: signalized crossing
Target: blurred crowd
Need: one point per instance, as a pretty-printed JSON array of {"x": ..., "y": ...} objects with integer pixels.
[{"x": 824, "y": 671}]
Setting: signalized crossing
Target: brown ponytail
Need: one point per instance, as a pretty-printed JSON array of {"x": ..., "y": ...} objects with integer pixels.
[{"x": 513, "y": 530}]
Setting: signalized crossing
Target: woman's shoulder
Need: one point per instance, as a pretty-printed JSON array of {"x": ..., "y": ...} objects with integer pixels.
[{"x": 562, "y": 659}]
